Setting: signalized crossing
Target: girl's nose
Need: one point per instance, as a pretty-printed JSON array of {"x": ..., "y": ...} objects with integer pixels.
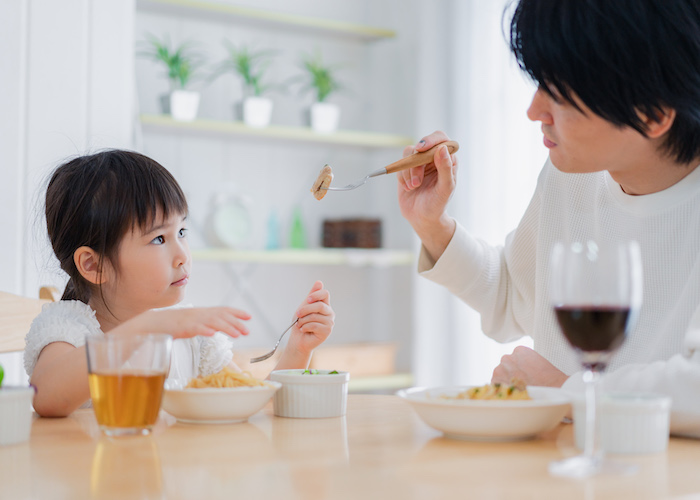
[
  {"x": 182, "y": 254},
  {"x": 539, "y": 108}
]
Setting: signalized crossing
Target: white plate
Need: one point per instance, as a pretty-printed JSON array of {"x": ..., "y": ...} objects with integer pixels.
[
  {"x": 485, "y": 420},
  {"x": 217, "y": 405}
]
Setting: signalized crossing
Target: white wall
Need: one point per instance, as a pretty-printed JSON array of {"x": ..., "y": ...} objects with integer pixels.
[{"x": 67, "y": 87}]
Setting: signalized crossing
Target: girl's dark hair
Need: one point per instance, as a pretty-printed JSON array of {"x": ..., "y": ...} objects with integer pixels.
[
  {"x": 95, "y": 200},
  {"x": 619, "y": 57}
]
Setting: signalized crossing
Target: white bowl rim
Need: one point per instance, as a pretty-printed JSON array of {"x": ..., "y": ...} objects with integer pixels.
[
  {"x": 554, "y": 396},
  {"x": 297, "y": 376},
  {"x": 270, "y": 385}
]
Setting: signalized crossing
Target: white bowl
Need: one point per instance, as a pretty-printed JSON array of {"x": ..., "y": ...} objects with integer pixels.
[
  {"x": 629, "y": 423},
  {"x": 488, "y": 420},
  {"x": 224, "y": 405},
  {"x": 15, "y": 414},
  {"x": 305, "y": 395}
]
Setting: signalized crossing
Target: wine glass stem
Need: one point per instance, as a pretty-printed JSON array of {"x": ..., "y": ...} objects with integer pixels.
[{"x": 590, "y": 445}]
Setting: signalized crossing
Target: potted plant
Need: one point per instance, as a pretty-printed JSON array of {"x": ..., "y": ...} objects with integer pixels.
[
  {"x": 181, "y": 63},
  {"x": 321, "y": 79},
  {"x": 250, "y": 66}
]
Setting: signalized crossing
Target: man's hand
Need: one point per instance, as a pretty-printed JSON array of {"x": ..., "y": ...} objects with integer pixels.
[
  {"x": 424, "y": 196},
  {"x": 526, "y": 365}
]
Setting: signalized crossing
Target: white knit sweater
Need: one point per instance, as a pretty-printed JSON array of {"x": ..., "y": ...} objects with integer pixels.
[{"x": 508, "y": 285}]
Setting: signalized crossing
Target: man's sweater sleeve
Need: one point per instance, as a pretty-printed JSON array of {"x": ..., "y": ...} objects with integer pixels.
[{"x": 497, "y": 281}]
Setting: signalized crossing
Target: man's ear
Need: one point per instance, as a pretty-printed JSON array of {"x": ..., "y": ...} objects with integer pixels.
[
  {"x": 88, "y": 263},
  {"x": 657, "y": 126}
]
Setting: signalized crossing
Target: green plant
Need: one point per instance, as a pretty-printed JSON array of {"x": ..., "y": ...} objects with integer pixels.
[
  {"x": 181, "y": 62},
  {"x": 2, "y": 375},
  {"x": 249, "y": 65},
  {"x": 321, "y": 78}
]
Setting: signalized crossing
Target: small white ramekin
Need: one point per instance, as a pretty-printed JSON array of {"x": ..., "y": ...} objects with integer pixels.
[
  {"x": 305, "y": 395},
  {"x": 629, "y": 423},
  {"x": 15, "y": 414}
]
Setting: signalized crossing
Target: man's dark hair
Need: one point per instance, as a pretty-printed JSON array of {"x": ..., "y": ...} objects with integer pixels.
[{"x": 620, "y": 57}]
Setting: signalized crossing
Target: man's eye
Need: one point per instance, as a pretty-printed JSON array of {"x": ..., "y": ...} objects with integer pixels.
[
  {"x": 158, "y": 240},
  {"x": 183, "y": 232}
]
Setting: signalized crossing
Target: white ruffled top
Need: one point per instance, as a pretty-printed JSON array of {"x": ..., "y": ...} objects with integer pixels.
[{"x": 71, "y": 321}]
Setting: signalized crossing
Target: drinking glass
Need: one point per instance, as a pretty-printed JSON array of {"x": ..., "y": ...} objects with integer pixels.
[
  {"x": 126, "y": 375},
  {"x": 596, "y": 292}
]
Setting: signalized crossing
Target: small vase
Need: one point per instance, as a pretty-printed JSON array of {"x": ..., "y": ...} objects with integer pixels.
[
  {"x": 257, "y": 111},
  {"x": 325, "y": 117},
  {"x": 183, "y": 105}
]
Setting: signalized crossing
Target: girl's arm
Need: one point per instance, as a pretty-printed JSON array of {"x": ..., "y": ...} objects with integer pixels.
[
  {"x": 316, "y": 319},
  {"x": 60, "y": 374}
]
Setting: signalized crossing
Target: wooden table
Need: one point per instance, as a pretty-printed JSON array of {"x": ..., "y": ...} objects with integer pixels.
[{"x": 380, "y": 450}]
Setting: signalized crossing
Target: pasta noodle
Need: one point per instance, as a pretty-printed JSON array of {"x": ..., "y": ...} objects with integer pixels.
[{"x": 226, "y": 378}]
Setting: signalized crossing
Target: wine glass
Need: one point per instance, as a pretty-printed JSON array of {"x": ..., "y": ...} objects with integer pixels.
[{"x": 596, "y": 292}]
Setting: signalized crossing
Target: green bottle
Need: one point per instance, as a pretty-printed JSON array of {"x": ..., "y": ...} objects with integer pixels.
[{"x": 297, "y": 236}]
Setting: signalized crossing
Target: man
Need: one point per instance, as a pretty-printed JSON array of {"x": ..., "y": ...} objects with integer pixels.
[{"x": 619, "y": 103}]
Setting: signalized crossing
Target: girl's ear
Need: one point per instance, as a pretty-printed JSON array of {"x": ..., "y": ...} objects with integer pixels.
[
  {"x": 658, "y": 125},
  {"x": 88, "y": 263}
]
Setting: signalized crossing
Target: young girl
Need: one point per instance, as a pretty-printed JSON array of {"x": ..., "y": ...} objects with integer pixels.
[{"x": 116, "y": 221}]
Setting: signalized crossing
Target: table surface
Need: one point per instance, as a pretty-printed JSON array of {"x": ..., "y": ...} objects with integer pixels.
[{"x": 380, "y": 449}]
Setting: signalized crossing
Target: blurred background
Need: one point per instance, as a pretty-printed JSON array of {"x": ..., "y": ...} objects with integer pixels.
[{"x": 168, "y": 78}]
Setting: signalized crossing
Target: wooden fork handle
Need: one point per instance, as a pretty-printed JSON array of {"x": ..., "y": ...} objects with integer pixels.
[{"x": 422, "y": 158}]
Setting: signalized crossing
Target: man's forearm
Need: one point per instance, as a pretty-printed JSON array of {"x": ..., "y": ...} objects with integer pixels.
[{"x": 436, "y": 237}]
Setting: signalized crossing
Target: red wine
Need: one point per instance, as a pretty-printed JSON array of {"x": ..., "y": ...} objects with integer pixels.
[{"x": 593, "y": 328}]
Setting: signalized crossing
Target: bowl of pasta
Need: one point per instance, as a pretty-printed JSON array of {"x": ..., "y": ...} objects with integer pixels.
[
  {"x": 225, "y": 397},
  {"x": 493, "y": 412}
]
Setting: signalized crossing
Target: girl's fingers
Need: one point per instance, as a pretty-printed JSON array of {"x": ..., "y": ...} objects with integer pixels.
[
  {"x": 319, "y": 307},
  {"x": 238, "y": 313},
  {"x": 319, "y": 296}
]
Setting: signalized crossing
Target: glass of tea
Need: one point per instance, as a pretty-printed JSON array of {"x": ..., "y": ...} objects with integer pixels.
[
  {"x": 596, "y": 292},
  {"x": 126, "y": 375}
]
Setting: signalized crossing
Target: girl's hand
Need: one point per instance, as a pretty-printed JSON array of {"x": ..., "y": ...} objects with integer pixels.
[
  {"x": 316, "y": 319},
  {"x": 189, "y": 322}
]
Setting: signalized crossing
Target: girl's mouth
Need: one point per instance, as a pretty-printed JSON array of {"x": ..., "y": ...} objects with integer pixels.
[{"x": 181, "y": 282}]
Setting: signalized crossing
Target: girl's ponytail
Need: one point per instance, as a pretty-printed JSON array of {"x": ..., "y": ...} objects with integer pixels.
[{"x": 71, "y": 292}]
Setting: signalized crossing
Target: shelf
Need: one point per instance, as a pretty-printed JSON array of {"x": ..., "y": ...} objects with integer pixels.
[
  {"x": 394, "y": 381},
  {"x": 305, "y": 134},
  {"x": 354, "y": 257},
  {"x": 227, "y": 12}
]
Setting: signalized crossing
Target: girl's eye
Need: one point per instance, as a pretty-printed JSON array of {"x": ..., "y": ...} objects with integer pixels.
[
  {"x": 183, "y": 232},
  {"x": 158, "y": 240}
]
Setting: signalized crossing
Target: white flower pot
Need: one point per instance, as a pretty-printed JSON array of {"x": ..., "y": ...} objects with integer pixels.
[
  {"x": 257, "y": 111},
  {"x": 325, "y": 117},
  {"x": 183, "y": 105}
]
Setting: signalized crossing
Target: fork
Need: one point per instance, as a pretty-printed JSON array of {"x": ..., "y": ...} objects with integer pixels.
[
  {"x": 414, "y": 160},
  {"x": 265, "y": 356}
]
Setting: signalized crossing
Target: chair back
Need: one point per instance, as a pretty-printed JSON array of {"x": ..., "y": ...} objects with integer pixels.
[{"x": 16, "y": 316}]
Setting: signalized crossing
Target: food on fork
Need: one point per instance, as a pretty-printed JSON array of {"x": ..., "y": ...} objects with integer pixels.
[
  {"x": 324, "y": 179},
  {"x": 226, "y": 378},
  {"x": 516, "y": 390}
]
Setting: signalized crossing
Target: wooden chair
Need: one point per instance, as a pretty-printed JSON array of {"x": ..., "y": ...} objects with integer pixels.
[{"x": 16, "y": 315}]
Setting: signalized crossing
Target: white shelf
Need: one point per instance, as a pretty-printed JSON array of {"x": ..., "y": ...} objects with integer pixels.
[
  {"x": 227, "y": 13},
  {"x": 354, "y": 257},
  {"x": 234, "y": 128},
  {"x": 394, "y": 381}
]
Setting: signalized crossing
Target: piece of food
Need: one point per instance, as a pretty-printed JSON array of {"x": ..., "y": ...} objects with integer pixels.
[
  {"x": 516, "y": 390},
  {"x": 324, "y": 179},
  {"x": 314, "y": 371},
  {"x": 226, "y": 378}
]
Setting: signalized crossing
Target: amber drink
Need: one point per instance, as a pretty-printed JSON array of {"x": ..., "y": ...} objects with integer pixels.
[{"x": 126, "y": 377}]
